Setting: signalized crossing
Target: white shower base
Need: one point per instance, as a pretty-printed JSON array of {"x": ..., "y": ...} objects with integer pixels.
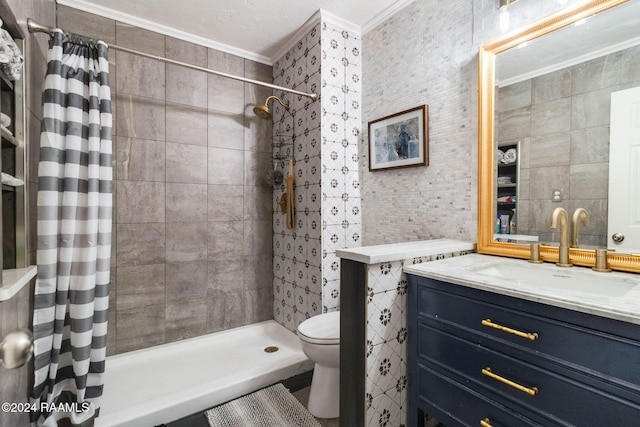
[{"x": 162, "y": 384}]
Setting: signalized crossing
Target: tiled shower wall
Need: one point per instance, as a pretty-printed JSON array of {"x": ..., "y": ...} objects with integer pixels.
[
  {"x": 564, "y": 150},
  {"x": 192, "y": 210},
  {"x": 325, "y": 157}
]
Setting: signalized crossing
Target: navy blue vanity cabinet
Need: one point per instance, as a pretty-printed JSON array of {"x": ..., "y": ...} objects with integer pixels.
[{"x": 479, "y": 358}]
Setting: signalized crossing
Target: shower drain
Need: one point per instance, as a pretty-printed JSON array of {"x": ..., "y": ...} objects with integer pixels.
[{"x": 271, "y": 349}]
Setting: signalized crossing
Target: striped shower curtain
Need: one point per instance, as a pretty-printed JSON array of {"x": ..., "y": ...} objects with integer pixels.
[{"x": 74, "y": 235}]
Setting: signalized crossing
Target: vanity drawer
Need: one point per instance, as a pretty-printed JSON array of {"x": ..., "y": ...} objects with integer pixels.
[
  {"x": 563, "y": 340},
  {"x": 454, "y": 404},
  {"x": 507, "y": 379}
]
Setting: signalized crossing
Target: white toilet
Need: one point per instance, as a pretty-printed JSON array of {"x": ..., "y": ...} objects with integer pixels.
[{"x": 320, "y": 339}]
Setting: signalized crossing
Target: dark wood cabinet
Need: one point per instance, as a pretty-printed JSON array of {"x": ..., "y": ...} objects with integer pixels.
[{"x": 481, "y": 358}]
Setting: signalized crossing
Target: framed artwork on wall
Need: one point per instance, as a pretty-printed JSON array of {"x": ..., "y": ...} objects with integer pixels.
[{"x": 399, "y": 140}]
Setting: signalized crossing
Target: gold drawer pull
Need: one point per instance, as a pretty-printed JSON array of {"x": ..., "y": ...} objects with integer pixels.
[
  {"x": 530, "y": 335},
  {"x": 530, "y": 391},
  {"x": 485, "y": 423}
]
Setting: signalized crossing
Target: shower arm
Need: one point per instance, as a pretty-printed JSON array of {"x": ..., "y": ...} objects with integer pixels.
[
  {"x": 286, "y": 106},
  {"x": 34, "y": 27}
]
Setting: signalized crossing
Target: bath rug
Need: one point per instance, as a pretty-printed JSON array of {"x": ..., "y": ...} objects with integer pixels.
[{"x": 269, "y": 407}]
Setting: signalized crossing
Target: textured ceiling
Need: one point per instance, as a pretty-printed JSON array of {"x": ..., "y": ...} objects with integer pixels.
[{"x": 258, "y": 27}]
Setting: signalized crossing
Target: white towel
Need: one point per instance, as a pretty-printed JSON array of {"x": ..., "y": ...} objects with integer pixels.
[
  {"x": 11, "y": 180},
  {"x": 11, "y": 59},
  {"x": 510, "y": 156},
  {"x": 5, "y": 120}
]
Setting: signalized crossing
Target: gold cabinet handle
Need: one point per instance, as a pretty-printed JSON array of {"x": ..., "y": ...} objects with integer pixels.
[
  {"x": 530, "y": 391},
  {"x": 529, "y": 335},
  {"x": 485, "y": 423}
]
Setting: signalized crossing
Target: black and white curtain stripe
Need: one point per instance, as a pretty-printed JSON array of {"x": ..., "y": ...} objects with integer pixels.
[{"x": 74, "y": 220}]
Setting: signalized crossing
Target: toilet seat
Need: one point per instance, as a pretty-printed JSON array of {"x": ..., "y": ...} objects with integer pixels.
[{"x": 323, "y": 329}]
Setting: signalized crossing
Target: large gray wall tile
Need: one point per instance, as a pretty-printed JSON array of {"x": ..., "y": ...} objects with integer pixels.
[
  {"x": 226, "y": 239},
  {"x": 186, "y": 241},
  {"x": 590, "y": 145},
  {"x": 140, "y": 117},
  {"x": 186, "y": 124},
  {"x": 226, "y": 130},
  {"x": 591, "y": 109},
  {"x": 225, "y": 94},
  {"x": 225, "y": 309},
  {"x": 630, "y": 66},
  {"x": 226, "y": 167},
  {"x": 187, "y": 86},
  {"x": 88, "y": 24},
  {"x": 140, "y": 201},
  {"x": 517, "y": 95},
  {"x": 225, "y": 62},
  {"x": 140, "y": 39},
  {"x": 550, "y": 150},
  {"x": 186, "y": 280},
  {"x": 140, "y": 286},
  {"x": 182, "y": 324},
  {"x": 225, "y": 274},
  {"x": 140, "y": 244},
  {"x": 258, "y": 305},
  {"x": 545, "y": 179},
  {"x": 597, "y": 74},
  {"x": 589, "y": 181},
  {"x": 140, "y": 76},
  {"x": 551, "y": 117},
  {"x": 226, "y": 202},
  {"x": 140, "y": 159},
  {"x": 186, "y": 163},
  {"x": 552, "y": 86},
  {"x": 186, "y": 202},
  {"x": 140, "y": 328},
  {"x": 184, "y": 51}
]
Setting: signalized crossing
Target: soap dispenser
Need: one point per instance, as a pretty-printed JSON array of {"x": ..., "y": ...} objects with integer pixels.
[{"x": 512, "y": 223}]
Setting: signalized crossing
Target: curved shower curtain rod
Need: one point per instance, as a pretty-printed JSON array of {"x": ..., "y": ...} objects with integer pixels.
[{"x": 34, "y": 27}]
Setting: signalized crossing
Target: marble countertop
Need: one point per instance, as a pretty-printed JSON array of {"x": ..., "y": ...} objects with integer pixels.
[
  {"x": 459, "y": 270},
  {"x": 405, "y": 250}
]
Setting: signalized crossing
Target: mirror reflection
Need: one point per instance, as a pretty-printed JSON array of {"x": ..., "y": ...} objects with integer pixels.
[{"x": 553, "y": 127}]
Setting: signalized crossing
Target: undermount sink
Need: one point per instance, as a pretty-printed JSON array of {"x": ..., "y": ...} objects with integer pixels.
[{"x": 570, "y": 279}]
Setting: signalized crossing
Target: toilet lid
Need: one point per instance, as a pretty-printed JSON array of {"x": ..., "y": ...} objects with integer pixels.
[{"x": 321, "y": 329}]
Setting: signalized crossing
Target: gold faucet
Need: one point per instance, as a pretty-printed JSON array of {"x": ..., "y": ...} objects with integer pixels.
[
  {"x": 579, "y": 214},
  {"x": 559, "y": 214}
]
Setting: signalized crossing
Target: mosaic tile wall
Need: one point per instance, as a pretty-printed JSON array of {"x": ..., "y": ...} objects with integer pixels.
[
  {"x": 427, "y": 54},
  {"x": 321, "y": 138},
  {"x": 386, "y": 378}
]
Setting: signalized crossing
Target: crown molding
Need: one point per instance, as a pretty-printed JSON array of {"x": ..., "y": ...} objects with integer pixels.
[
  {"x": 297, "y": 36},
  {"x": 318, "y": 17},
  {"x": 162, "y": 29},
  {"x": 391, "y": 10}
]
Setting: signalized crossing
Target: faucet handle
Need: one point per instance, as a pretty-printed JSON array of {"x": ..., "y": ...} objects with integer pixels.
[
  {"x": 601, "y": 261},
  {"x": 535, "y": 254}
]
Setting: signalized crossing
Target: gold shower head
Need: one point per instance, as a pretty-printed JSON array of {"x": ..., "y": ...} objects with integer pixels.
[{"x": 263, "y": 110}]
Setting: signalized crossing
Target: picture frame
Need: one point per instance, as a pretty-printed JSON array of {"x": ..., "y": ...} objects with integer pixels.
[{"x": 399, "y": 140}]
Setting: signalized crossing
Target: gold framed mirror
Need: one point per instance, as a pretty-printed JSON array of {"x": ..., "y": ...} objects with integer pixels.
[{"x": 488, "y": 194}]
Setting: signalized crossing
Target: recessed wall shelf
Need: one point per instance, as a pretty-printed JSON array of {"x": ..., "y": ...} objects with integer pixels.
[{"x": 14, "y": 280}]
